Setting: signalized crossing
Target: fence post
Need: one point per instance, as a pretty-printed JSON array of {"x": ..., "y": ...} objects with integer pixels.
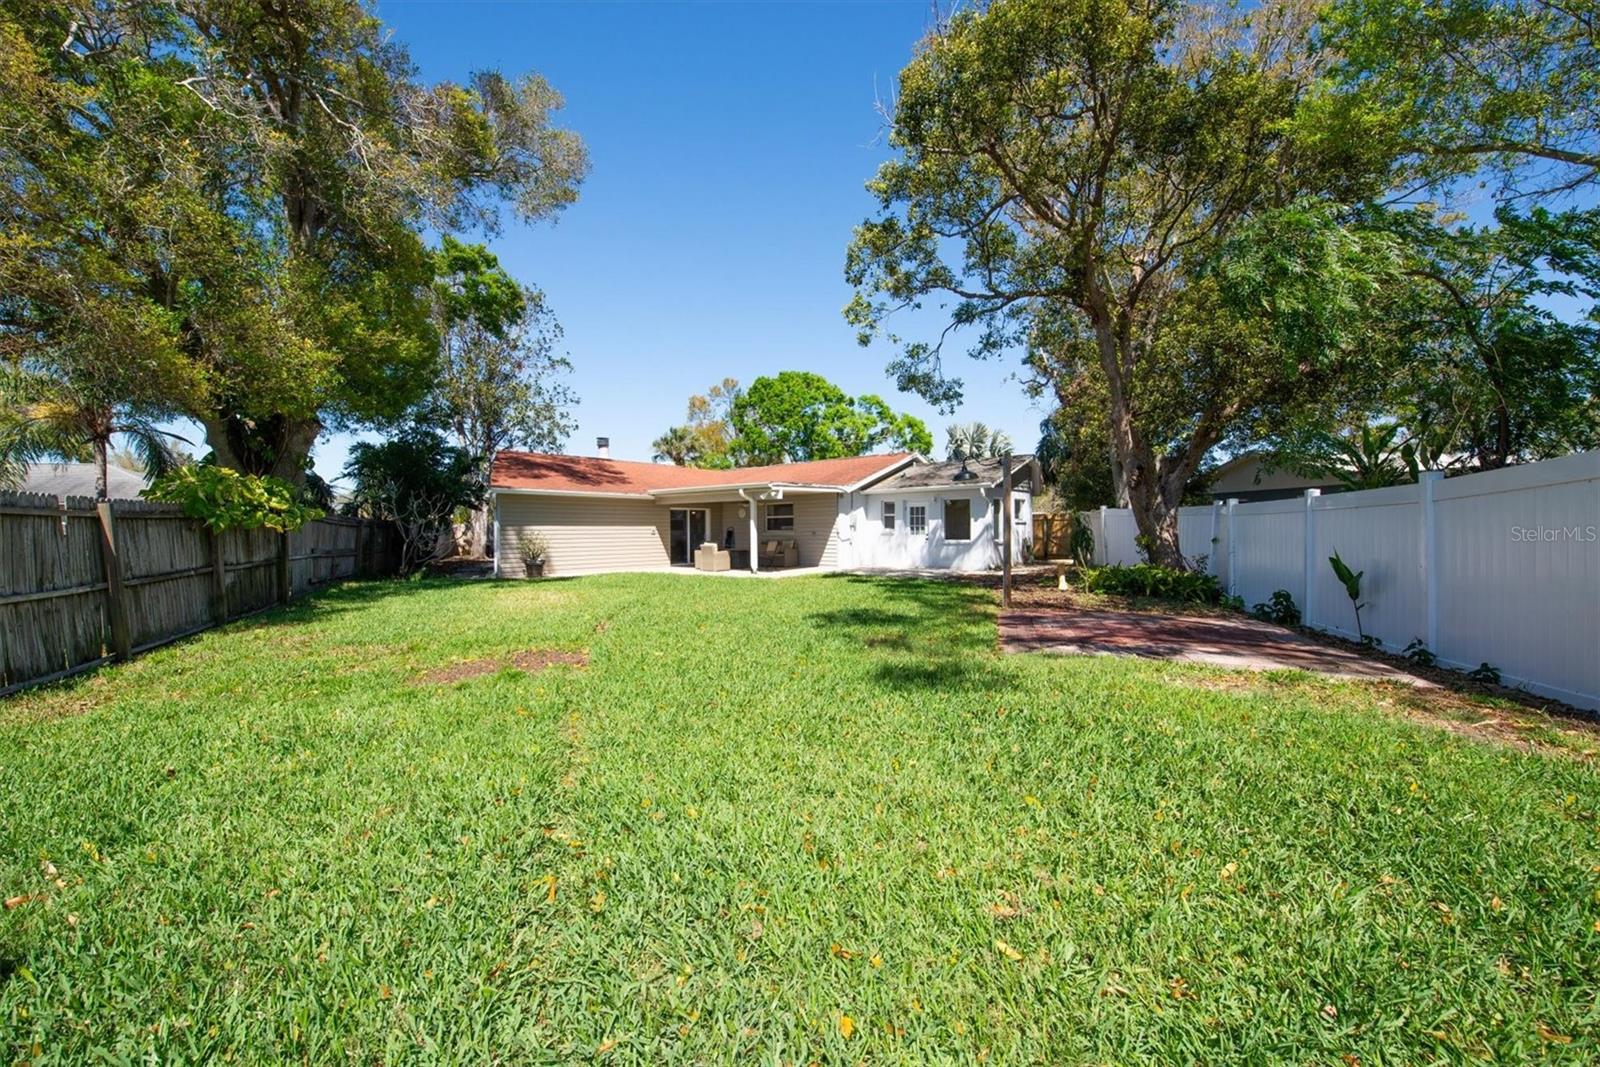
[
  {"x": 1426, "y": 480},
  {"x": 116, "y": 605},
  {"x": 1233, "y": 550},
  {"x": 1311, "y": 557},
  {"x": 219, "y": 579},
  {"x": 1100, "y": 542},
  {"x": 1213, "y": 563},
  {"x": 283, "y": 568}
]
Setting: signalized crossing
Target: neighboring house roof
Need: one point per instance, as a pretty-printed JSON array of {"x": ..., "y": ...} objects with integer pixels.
[
  {"x": 1243, "y": 477},
  {"x": 77, "y": 479},
  {"x": 989, "y": 473},
  {"x": 543, "y": 472}
]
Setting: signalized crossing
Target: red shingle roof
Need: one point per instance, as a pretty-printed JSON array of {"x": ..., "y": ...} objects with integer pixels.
[{"x": 590, "y": 474}]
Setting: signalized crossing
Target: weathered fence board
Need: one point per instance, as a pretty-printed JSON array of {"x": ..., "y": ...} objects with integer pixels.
[{"x": 69, "y": 575}]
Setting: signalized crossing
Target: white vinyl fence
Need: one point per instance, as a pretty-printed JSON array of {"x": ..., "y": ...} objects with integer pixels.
[{"x": 1501, "y": 567}]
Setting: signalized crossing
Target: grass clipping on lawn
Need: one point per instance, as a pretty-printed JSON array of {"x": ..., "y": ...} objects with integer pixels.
[{"x": 812, "y": 820}]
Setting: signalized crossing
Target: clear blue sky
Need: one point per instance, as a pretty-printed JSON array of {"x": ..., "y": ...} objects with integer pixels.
[{"x": 730, "y": 143}]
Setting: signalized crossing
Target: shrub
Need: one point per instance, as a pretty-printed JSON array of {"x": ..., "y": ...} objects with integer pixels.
[
  {"x": 1080, "y": 540},
  {"x": 225, "y": 499},
  {"x": 1279, "y": 608},
  {"x": 1150, "y": 580},
  {"x": 1419, "y": 653},
  {"x": 1484, "y": 674},
  {"x": 416, "y": 480}
]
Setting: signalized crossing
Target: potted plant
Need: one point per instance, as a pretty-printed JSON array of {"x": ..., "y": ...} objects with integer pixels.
[{"x": 533, "y": 550}]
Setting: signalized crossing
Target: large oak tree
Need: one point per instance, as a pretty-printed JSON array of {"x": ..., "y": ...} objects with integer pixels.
[
  {"x": 249, "y": 181},
  {"x": 1069, "y": 173}
]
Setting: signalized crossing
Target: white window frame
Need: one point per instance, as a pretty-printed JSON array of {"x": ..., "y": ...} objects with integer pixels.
[
  {"x": 1016, "y": 508},
  {"x": 916, "y": 519},
  {"x": 767, "y": 515},
  {"x": 886, "y": 516},
  {"x": 946, "y": 524}
]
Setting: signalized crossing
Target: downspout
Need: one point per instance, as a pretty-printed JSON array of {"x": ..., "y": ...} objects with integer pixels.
[
  {"x": 750, "y": 506},
  {"x": 494, "y": 502}
]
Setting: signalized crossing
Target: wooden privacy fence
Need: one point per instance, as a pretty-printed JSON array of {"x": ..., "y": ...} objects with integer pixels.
[
  {"x": 82, "y": 582},
  {"x": 1052, "y": 535}
]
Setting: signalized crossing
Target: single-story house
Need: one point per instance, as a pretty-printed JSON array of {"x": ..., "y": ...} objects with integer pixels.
[
  {"x": 1246, "y": 478},
  {"x": 77, "y": 479},
  {"x": 599, "y": 514}
]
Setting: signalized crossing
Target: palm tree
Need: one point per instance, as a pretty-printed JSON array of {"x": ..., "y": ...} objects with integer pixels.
[
  {"x": 43, "y": 419},
  {"x": 677, "y": 446},
  {"x": 974, "y": 440}
]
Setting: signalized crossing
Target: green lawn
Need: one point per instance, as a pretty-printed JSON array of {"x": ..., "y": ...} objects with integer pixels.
[{"x": 819, "y": 819}]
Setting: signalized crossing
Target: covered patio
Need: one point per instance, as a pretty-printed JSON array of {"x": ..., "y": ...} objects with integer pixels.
[{"x": 755, "y": 528}]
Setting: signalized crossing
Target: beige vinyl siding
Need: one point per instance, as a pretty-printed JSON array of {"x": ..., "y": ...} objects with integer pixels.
[
  {"x": 815, "y": 530},
  {"x": 587, "y": 535}
]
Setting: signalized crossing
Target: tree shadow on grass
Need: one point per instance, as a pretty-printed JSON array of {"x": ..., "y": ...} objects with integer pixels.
[{"x": 934, "y": 635}]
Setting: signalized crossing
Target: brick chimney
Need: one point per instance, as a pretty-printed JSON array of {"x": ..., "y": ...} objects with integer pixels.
[{"x": 602, "y": 447}]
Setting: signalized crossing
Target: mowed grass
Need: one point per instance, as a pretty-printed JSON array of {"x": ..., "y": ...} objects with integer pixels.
[{"x": 818, "y": 819}]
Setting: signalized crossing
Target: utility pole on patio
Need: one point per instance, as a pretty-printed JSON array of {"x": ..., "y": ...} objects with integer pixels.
[{"x": 1005, "y": 522}]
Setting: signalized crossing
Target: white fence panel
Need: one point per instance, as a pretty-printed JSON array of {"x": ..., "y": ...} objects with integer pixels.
[
  {"x": 1269, "y": 549},
  {"x": 1519, "y": 575},
  {"x": 1379, "y": 532},
  {"x": 1196, "y": 536},
  {"x": 1500, "y": 568}
]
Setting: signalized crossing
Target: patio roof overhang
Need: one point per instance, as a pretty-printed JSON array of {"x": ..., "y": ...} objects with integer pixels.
[{"x": 742, "y": 491}]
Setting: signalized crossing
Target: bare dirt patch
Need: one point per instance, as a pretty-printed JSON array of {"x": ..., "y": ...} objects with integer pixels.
[{"x": 532, "y": 661}]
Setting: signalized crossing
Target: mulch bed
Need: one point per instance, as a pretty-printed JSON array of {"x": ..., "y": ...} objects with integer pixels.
[{"x": 531, "y": 661}]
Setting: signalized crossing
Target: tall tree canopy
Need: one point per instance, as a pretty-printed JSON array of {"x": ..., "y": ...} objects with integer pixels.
[
  {"x": 797, "y": 415},
  {"x": 706, "y": 439},
  {"x": 1501, "y": 362},
  {"x": 1068, "y": 174},
  {"x": 244, "y": 185},
  {"x": 500, "y": 382}
]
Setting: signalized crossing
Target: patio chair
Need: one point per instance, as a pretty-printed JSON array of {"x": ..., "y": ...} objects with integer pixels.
[
  {"x": 708, "y": 557},
  {"x": 779, "y": 552}
]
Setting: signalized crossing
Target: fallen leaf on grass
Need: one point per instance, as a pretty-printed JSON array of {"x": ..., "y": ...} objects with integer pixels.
[
  {"x": 17, "y": 901},
  {"x": 847, "y": 1027},
  {"x": 1007, "y": 951},
  {"x": 1553, "y": 1037}
]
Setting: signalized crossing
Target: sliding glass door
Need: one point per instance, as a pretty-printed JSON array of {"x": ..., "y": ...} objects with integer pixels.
[{"x": 689, "y": 528}]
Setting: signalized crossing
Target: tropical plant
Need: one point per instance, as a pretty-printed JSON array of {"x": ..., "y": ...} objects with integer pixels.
[
  {"x": 706, "y": 439},
  {"x": 1155, "y": 581},
  {"x": 1351, "y": 580},
  {"x": 69, "y": 419},
  {"x": 1278, "y": 608},
  {"x": 225, "y": 499},
  {"x": 416, "y": 480},
  {"x": 974, "y": 440},
  {"x": 677, "y": 446}
]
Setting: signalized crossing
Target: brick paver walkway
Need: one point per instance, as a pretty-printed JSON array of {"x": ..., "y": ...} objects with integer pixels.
[{"x": 1224, "y": 641}]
